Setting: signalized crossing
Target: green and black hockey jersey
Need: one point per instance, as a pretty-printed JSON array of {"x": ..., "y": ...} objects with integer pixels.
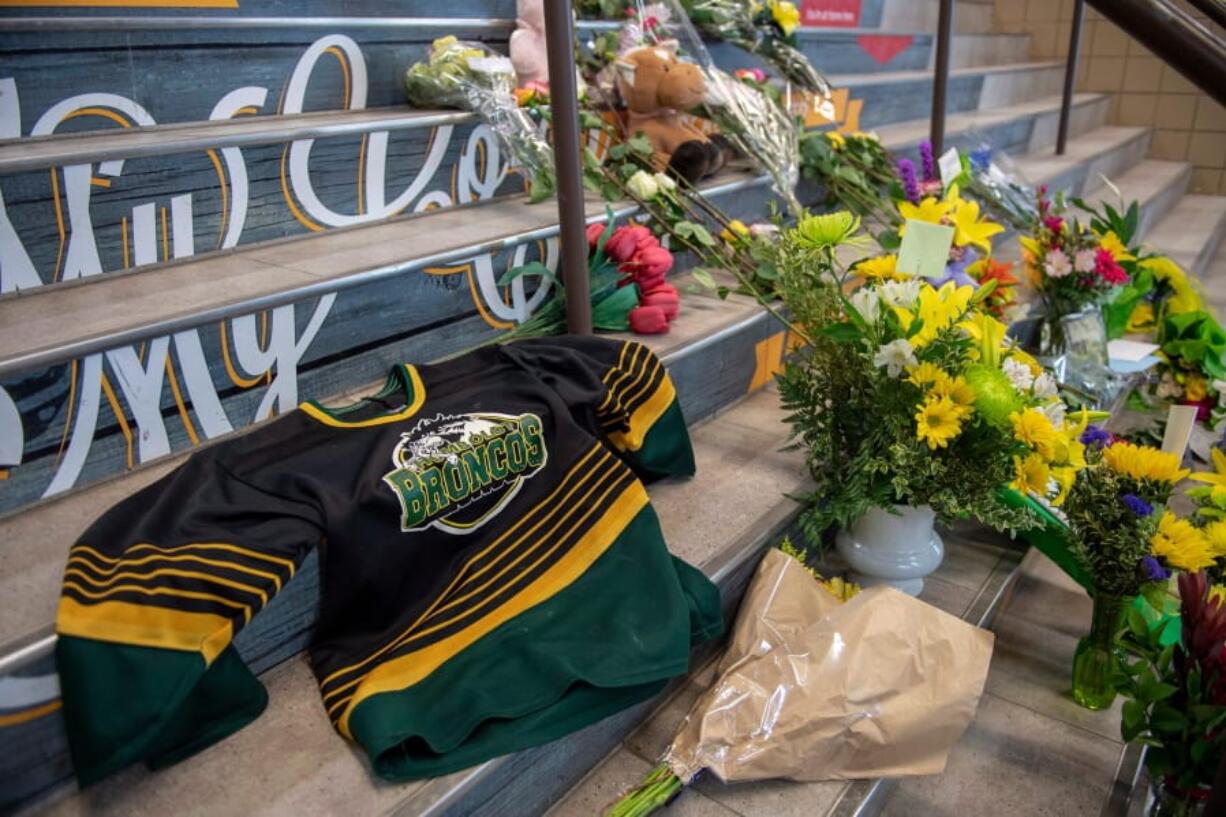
[{"x": 493, "y": 576}]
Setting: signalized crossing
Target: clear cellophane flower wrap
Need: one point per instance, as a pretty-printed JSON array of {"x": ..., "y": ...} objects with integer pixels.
[
  {"x": 812, "y": 688},
  {"x": 752, "y": 122},
  {"x": 748, "y": 24},
  {"x": 996, "y": 180},
  {"x": 471, "y": 77}
]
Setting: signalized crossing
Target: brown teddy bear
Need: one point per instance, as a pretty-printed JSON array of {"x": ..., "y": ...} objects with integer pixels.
[{"x": 658, "y": 89}]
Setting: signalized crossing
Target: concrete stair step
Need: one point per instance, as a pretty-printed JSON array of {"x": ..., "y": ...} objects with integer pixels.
[
  {"x": 1105, "y": 151},
  {"x": 973, "y": 582},
  {"x": 970, "y": 16},
  {"x": 291, "y": 760},
  {"x": 1156, "y": 184},
  {"x": 1191, "y": 232}
]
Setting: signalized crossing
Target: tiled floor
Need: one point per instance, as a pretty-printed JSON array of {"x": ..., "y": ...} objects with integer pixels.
[{"x": 1030, "y": 750}]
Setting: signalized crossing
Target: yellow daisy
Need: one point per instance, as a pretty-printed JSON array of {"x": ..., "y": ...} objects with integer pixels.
[
  {"x": 937, "y": 422},
  {"x": 1034, "y": 428},
  {"x": 1032, "y": 475},
  {"x": 926, "y": 373},
  {"x": 882, "y": 267},
  {"x": 1143, "y": 462},
  {"x": 1215, "y": 533},
  {"x": 1181, "y": 544},
  {"x": 956, "y": 389},
  {"x": 837, "y": 140},
  {"x": 786, "y": 15}
]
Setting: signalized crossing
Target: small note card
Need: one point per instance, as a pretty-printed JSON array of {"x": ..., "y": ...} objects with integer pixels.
[
  {"x": 1179, "y": 423},
  {"x": 925, "y": 249},
  {"x": 950, "y": 166}
]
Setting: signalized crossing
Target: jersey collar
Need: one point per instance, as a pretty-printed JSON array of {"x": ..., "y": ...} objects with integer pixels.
[{"x": 403, "y": 378}]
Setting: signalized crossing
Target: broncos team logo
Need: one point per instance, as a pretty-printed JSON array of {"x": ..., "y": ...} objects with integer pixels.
[{"x": 457, "y": 472}]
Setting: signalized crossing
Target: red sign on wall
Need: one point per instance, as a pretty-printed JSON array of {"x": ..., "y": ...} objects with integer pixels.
[{"x": 830, "y": 13}]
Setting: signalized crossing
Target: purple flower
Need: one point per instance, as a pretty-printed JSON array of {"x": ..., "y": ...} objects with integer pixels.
[
  {"x": 910, "y": 184},
  {"x": 1154, "y": 571},
  {"x": 1096, "y": 436},
  {"x": 955, "y": 270},
  {"x": 928, "y": 161},
  {"x": 1137, "y": 505}
]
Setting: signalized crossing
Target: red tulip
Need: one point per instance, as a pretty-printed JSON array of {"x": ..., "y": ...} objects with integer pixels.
[
  {"x": 648, "y": 282},
  {"x": 622, "y": 245},
  {"x": 655, "y": 261},
  {"x": 670, "y": 305},
  {"x": 648, "y": 320},
  {"x": 594, "y": 232},
  {"x": 668, "y": 288}
]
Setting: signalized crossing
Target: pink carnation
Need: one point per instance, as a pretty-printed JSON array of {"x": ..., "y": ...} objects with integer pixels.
[
  {"x": 1107, "y": 268},
  {"x": 1053, "y": 223}
]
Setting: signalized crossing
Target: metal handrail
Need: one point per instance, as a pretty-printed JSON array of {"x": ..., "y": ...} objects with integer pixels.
[
  {"x": 940, "y": 80},
  {"x": 1176, "y": 37},
  {"x": 564, "y": 116},
  {"x": 1215, "y": 10}
]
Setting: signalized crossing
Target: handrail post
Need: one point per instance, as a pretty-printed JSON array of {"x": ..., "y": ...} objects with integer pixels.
[
  {"x": 1070, "y": 75},
  {"x": 945, "y": 25},
  {"x": 564, "y": 107}
]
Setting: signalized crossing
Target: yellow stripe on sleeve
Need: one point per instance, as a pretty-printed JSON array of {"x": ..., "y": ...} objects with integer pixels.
[
  {"x": 145, "y": 626},
  {"x": 644, "y": 418}
]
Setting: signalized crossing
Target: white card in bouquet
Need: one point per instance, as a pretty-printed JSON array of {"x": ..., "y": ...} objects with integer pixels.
[
  {"x": 950, "y": 165},
  {"x": 1179, "y": 423}
]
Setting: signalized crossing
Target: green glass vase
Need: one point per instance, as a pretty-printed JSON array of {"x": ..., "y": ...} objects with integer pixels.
[{"x": 1096, "y": 658}]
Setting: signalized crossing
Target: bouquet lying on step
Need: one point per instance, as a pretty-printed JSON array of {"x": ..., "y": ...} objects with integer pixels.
[
  {"x": 471, "y": 77},
  {"x": 805, "y": 668}
]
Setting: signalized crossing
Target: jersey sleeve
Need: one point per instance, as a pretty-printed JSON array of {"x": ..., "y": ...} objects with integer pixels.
[
  {"x": 153, "y": 595},
  {"x": 626, "y": 393}
]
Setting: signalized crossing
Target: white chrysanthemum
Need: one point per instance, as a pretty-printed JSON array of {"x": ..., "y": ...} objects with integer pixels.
[
  {"x": 867, "y": 303},
  {"x": 1045, "y": 386},
  {"x": 896, "y": 356},
  {"x": 1019, "y": 373}
]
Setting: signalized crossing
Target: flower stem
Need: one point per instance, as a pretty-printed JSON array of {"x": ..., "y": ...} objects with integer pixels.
[{"x": 654, "y": 792}]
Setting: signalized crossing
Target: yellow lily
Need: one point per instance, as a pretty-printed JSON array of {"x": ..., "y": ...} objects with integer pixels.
[
  {"x": 938, "y": 309},
  {"x": 930, "y": 209},
  {"x": 970, "y": 229},
  {"x": 1217, "y": 477},
  {"x": 988, "y": 334}
]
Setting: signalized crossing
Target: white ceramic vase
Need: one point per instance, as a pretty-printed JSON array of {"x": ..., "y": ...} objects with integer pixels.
[{"x": 898, "y": 549}]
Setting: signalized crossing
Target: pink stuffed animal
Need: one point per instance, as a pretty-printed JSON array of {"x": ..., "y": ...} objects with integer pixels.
[{"x": 528, "y": 43}]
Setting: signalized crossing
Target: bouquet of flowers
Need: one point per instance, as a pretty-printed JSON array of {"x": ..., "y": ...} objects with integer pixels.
[
  {"x": 970, "y": 263},
  {"x": 1177, "y": 695},
  {"x": 471, "y": 77},
  {"x": 999, "y": 187},
  {"x": 809, "y": 662},
  {"x": 908, "y": 393},
  {"x": 1073, "y": 266},
  {"x": 1128, "y": 541},
  {"x": 855, "y": 170},
  {"x": 627, "y": 268},
  {"x": 766, "y": 29}
]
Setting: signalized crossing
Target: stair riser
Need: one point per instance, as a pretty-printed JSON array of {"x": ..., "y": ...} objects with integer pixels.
[
  {"x": 708, "y": 376},
  {"x": 921, "y": 15}
]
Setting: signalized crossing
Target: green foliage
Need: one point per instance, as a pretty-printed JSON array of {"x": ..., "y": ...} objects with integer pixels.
[
  {"x": 856, "y": 172},
  {"x": 1171, "y": 706}
]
